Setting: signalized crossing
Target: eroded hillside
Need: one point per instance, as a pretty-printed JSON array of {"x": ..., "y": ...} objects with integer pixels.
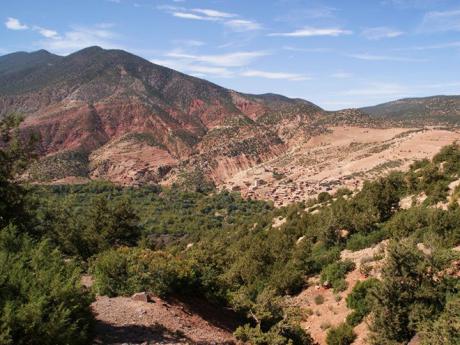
[{"x": 342, "y": 157}]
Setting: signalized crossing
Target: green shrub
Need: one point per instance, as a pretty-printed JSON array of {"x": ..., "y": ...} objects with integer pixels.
[
  {"x": 283, "y": 333},
  {"x": 360, "y": 241},
  {"x": 360, "y": 300},
  {"x": 125, "y": 271},
  {"x": 41, "y": 298},
  {"x": 445, "y": 330},
  {"x": 412, "y": 292},
  {"x": 335, "y": 273},
  {"x": 341, "y": 335}
]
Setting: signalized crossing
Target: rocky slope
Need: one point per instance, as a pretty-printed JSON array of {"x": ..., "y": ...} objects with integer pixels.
[{"x": 110, "y": 114}]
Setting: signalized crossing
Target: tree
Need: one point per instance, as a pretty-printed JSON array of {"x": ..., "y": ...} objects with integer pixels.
[
  {"x": 411, "y": 292},
  {"x": 108, "y": 224},
  {"x": 14, "y": 156}
]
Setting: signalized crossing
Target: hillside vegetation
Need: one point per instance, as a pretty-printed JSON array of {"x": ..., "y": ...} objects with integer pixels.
[{"x": 228, "y": 251}]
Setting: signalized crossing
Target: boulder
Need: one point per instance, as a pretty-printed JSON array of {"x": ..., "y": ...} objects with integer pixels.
[{"x": 142, "y": 297}]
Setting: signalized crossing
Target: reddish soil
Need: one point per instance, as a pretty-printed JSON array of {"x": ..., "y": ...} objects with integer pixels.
[{"x": 122, "y": 320}]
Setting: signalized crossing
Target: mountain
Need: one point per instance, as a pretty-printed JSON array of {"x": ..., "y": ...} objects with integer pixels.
[
  {"x": 427, "y": 110},
  {"x": 21, "y": 61},
  {"x": 113, "y": 115}
]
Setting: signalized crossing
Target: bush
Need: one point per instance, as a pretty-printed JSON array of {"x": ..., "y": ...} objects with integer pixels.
[
  {"x": 319, "y": 299},
  {"x": 284, "y": 333},
  {"x": 360, "y": 241},
  {"x": 341, "y": 335},
  {"x": 126, "y": 271},
  {"x": 335, "y": 273},
  {"x": 445, "y": 330},
  {"x": 412, "y": 292},
  {"x": 324, "y": 197},
  {"x": 41, "y": 298},
  {"x": 360, "y": 300}
]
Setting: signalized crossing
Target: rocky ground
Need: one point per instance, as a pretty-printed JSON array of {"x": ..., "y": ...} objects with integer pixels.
[
  {"x": 344, "y": 157},
  {"x": 320, "y": 317},
  {"x": 134, "y": 321}
]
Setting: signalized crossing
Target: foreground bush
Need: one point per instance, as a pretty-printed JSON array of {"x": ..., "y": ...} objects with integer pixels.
[
  {"x": 41, "y": 299},
  {"x": 125, "y": 271}
]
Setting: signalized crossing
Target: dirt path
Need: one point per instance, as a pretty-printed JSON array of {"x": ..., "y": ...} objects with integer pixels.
[{"x": 122, "y": 320}]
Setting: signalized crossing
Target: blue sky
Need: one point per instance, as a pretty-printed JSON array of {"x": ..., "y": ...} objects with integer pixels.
[{"x": 335, "y": 53}]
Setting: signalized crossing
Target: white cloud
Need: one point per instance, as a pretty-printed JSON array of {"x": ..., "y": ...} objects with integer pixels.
[
  {"x": 230, "y": 20},
  {"x": 243, "y": 25},
  {"x": 194, "y": 69},
  {"x": 186, "y": 15},
  {"x": 370, "y": 57},
  {"x": 378, "y": 33},
  {"x": 311, "y": 32},
  {"x": 274, "y": 75},
  {"x": 213, "y": 13},
  {"x": 79, "y": 38},
  {"x": 48, "y": 33},
  {"x": 438, "y": 21},
  {"x": 236, "y": 59},
  {"x": 15, "y": 24}
]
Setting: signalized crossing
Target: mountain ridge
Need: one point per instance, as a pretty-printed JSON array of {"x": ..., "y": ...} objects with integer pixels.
[{"x": 109, "y": 114}]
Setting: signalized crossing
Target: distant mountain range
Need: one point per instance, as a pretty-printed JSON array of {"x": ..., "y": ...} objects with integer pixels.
[
  {"x": 112, "y": 115},
  {"x": 435, "y": 110}
]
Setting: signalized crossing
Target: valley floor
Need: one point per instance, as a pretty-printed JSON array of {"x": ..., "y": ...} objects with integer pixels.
[{"x": 344, "y": 157}]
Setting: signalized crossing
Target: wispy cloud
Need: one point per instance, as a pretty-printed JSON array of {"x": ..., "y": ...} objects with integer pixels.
[
  {"x": 235, "y": 59},
  {"x": 446, "y": 45},
  {"x": 230, "y": 20},
  {"x": 275, "y": 75},
  {"x": 194, "y": 69},
  {"x": 80, "y": 37},
  {"x": 186, "y": 15},
  {"x": 213, "y": 13},
  {"x": 299, "y": 14},
  {"x": 438, "y": 21},
  {"x": 311, "y": 32},
  {"x": 75, "y": 39},
  {"x": 381, "y": 32},
  {"x": 371, "y": 57},
  {"x": 189, "y": 43},
  {"x": 48, "y": 33},
  {"x": 243, "y": 25},
  {"x": 15, "y": 24}
]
